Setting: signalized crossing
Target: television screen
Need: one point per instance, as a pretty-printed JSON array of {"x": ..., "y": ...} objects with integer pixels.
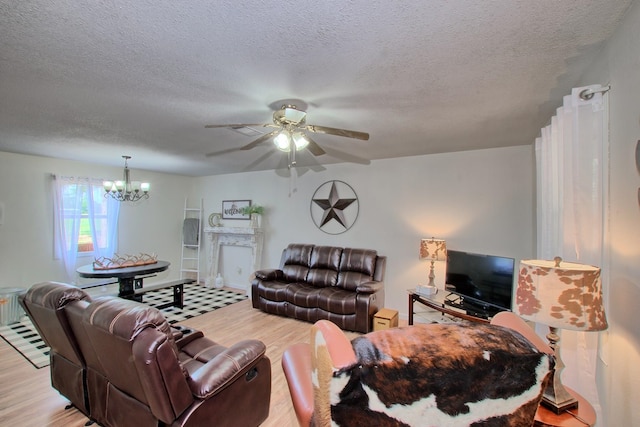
[{"x": 484, "y": 283}]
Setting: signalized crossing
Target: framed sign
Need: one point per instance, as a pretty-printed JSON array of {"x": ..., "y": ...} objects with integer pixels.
[{"x": 232, "y": 209}]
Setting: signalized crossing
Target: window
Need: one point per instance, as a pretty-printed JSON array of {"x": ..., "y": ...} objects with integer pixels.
[
  {"x": 100, "y": 206},
  {"x": 85, "y": 221}
]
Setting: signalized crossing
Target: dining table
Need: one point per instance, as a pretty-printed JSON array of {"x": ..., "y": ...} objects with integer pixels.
[{"x": 129, "y": 278}]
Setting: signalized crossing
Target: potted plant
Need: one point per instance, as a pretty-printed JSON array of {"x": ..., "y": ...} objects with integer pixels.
[{"x": 253, "y": 211}]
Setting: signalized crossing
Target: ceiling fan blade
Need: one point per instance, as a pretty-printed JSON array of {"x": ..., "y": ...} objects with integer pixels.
[
  {"x": 314, "y": 148},
  {"x": 217, "y": 153},
  {"x": 339, "y": 132},
  {"x": 236, "y": 125},
  {"x": 259, "y": 160},
  {"x": 260, "y": 140}
]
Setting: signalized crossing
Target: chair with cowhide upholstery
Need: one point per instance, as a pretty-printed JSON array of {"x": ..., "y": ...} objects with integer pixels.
[{"x": 423, "y": 375}]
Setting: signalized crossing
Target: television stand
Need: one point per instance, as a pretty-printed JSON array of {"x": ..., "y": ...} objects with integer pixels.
[{"x": 438, "y": 302}]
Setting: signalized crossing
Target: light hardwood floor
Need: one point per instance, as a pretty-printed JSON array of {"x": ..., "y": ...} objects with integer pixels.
[{"x": 27, "y": 398}]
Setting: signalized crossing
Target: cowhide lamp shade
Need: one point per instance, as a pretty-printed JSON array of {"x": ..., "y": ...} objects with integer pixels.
[{"x": 560, "y": 295}]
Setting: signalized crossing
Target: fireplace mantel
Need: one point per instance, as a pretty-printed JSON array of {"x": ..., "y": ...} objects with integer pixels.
[{"x": 232, "y": 236}]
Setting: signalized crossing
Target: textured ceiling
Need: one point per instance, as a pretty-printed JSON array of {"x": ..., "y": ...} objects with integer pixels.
[{"x": 92, "y": 81}]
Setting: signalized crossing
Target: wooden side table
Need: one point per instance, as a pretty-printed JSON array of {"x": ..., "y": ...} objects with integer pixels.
[{"x": 585, "y": 415}]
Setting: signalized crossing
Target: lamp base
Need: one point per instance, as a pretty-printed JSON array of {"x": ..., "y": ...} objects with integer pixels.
[
  {"x": 432, "y": 276},
  {"x": 559, "y": 407},
  {"x": 556, "y": 397}
]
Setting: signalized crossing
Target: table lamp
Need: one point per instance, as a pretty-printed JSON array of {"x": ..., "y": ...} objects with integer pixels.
[
  {"x": 560, "y": 295},
  {"x": 434, "y": 250}
]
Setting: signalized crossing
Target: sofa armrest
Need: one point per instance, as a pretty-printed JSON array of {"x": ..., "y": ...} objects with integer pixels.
[
  {"x": 225, "y": 368},
  {"x": 370, "y": 287},
  {"x": 269, "y": 274}
]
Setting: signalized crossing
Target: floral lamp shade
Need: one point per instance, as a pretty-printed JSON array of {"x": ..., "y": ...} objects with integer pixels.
[
  {"x": 433, "y": 249},
  {"x": 560, "y": 294}
]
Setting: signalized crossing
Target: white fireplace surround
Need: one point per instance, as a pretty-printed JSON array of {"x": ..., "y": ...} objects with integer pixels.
[{"x": 217, "y": 237}]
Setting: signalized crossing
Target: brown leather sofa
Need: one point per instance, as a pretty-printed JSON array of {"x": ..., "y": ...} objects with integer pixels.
[
  {"x": 140, "y": 371},
  {"x": 450, "y": 374},
  {"x": 343, "y": 285}
]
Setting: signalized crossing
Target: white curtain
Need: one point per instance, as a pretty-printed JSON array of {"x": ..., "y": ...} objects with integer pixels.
[
  {"x": 70, "y": 195},
  {"x": 572, "y": 184}
]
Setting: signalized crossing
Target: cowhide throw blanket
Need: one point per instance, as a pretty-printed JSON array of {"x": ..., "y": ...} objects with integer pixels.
[{"x": 440, "y": 375}]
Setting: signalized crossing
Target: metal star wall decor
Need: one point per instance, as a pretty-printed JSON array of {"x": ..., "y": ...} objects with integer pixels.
[{"x": 334, "y": 207}]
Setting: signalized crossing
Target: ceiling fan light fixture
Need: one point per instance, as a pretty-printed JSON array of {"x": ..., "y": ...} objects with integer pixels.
[
  {"x": 283, "y": 141},
  {"x": 300, "y": 141},
  {"x": 293, "y": 115}
]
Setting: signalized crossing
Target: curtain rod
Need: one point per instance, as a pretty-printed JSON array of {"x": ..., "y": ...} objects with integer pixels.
[{"x": 587, "y": 94}]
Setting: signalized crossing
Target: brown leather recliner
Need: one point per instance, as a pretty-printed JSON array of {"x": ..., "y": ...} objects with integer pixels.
[
  {"x": 122, "y": 364},
  {"x": 47, "y": 304},
  {"x": 152, "y": 378}
]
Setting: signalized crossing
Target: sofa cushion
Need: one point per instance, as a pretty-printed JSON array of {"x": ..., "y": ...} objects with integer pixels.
[
  {"x": 356, "y": 266},
  {"x": 323, "y": 266},
  {"x": 295, "y": 262},
  {"x": 336, "y": 300},
  {"x": 302, "y": 295}
]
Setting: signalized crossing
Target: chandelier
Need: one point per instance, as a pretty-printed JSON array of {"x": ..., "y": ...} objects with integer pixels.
[{"x": 126, "y": 190}]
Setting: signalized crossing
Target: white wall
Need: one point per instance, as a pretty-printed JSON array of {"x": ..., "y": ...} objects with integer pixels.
[
  {"x": 479, "y": 201},
  {"x": 619, "y": 366},
  {"x": 26, "y": 237}
]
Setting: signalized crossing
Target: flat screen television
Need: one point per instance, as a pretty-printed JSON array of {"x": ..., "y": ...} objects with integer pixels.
[{"x": 480, "y": 284}]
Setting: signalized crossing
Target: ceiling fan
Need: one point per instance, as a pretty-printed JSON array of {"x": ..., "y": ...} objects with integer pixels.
[{"x": 291, "y": 133}]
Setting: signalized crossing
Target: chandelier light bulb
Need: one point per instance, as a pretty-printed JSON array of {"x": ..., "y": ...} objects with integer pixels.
[
  {"x": 282, "y": 141},
  {"x": 300, "y": 141}
]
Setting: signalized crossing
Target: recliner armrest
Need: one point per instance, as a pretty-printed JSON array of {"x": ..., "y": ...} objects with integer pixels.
[
  {"x": 188, "y": 337},
  {"x": 270, "y": 274},
  {"x": 370, "y": 287},
  {"x": 225, "y": 368}
]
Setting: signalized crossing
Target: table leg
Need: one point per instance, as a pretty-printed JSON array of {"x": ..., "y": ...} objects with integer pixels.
[
  {"x": 410, "y": 309},
  {"x": 127, "y": 286}
]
